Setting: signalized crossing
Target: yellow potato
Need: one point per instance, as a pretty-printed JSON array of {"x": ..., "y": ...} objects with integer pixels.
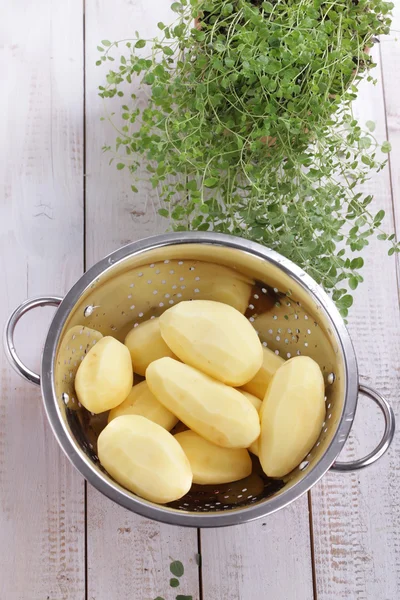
[
  {"x": 258, "y": 385},
  {"x": 144, "y": 458},
  {"x": 214, "y": 410},
  {"x": 255, "y": 447},
  {"x": 212, "y": 464},
  {"x": 292, "y": 415},
  {"x": 256, "y": 402},
  {"x": 142, "y": 402},
  {"x": 104, "y": 377},
  {"x": 215, "y": 338},
  {"x": 74, "y": 346},
  {"x": 145, "y": 344}
]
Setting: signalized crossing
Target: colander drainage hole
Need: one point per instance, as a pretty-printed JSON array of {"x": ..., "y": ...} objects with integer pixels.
[{"x": 88, "y": 310}]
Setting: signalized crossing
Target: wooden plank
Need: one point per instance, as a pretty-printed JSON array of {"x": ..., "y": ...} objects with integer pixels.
[
  {"x": 268, "y": 559},
  {"x": 138, "y": 565},
  {"x": 42, "y": 541},
  {"x": 125, "y": 215},
  {"x": 390, "y": 54},
  {"x": 356, "y": 516}
]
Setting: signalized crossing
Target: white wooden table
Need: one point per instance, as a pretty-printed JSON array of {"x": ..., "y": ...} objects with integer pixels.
[{"x": 62, "y": 208}]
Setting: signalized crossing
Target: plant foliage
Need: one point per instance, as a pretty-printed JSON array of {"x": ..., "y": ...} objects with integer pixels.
[{"x": 248, "y": 128}]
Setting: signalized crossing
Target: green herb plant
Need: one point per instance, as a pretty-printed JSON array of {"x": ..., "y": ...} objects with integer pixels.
[{"x": 248, "y": 128}]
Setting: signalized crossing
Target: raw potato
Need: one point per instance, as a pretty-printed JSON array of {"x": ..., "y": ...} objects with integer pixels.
[
  {"x": 144, "y": 458},
  {"x": 214, "y": 338},
  {"x": 214, "y": 410},
  {"x": 141, "y": 401},
  {"x": 212, "y": 464},
  {"x": 145, "y": 344},
  {"x": 77, "y": 341},
  {"x": 292, "y": 415},
  {"x": 258, "y": 385},
  {"x": 256, "y": 402},
  {"x": 104, "y": 377}
]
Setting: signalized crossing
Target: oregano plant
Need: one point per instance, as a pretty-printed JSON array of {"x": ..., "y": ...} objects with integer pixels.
[{"x": 248, "y": 127}]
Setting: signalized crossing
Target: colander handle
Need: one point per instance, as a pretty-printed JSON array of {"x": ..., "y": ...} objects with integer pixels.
[
  {"x": 8, "y": 339},
  {"x": 386, "y": 440}
]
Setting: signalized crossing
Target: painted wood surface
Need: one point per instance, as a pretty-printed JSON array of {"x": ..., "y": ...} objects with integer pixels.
[
  {"x": 268, "y": 559},
  {"x": 42, "y": 520},
  {"x": 347, "y": 547},
  {"x": 356, "y": 518}
]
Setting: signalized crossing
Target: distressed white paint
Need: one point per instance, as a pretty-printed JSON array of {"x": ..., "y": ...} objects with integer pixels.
[{"x": 41, "y": 182}]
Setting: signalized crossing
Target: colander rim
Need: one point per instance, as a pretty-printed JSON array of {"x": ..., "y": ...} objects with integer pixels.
[{"x": 165, "y": 514}]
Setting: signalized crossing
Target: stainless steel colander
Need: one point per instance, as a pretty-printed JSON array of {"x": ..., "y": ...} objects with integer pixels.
[{"x": 289, "y": 310}]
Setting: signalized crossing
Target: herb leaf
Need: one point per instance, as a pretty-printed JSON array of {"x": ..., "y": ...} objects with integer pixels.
[{"x": 176, "y": 568}]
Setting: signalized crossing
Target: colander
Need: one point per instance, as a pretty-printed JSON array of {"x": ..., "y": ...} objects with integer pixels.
[{"x": 291, "y": 313}]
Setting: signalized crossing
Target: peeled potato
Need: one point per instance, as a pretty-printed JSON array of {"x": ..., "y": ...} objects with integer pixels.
[
  {"x": 141, "y": 401},
  {"x": 145, "y": 344},
  {"x": 212, "y": 464},
  {"x": 144, "y": 458},
  {"x": 292, "y": 415},
  {"x": 256, "y": 402},
  {"x": 77, "y": 341},
  {"x": 214, "y": 410},
  {"x": 214, "y": 338},
  {"x": 258, "y": 385},
  {"x": 104, "y": 377}
]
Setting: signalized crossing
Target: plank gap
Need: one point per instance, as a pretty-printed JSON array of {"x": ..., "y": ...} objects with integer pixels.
[
  {"x": 84, "y": 257},
  {"x": 84, "y": 133},
  {"x": 387, "y": 135},
  {"x": 200, "y": 564},
  {"x": 312, "y": 549},
  {"x": 86, "y": 543}
]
